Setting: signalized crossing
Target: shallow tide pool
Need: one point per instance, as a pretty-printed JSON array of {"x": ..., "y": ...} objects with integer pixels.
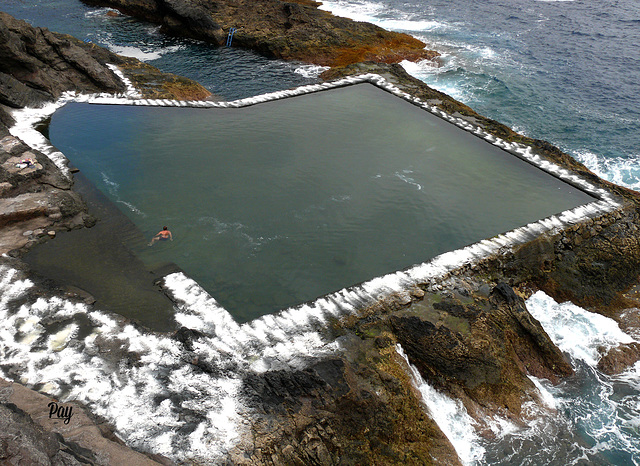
[{"x": 278, "y": 203}]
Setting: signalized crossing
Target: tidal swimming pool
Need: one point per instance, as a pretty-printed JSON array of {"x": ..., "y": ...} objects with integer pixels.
[{"x": 278, "y": 203}]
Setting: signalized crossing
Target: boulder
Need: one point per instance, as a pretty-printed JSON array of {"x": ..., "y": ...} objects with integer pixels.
[
  {"x": 620, "y": 358},
  {"x": 37, "y": 65}
]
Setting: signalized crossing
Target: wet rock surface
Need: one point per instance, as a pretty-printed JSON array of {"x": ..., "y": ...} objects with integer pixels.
[
  {"x": 483, "y": 349},
  {"x": 295, "y": 30},
  {"x": 353, "y": 408},
  {"x": 620, "y": 358},
  {"x": 29, "y": 435}
]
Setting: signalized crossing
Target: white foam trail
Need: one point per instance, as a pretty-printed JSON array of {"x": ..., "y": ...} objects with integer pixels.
[
  {"x": 133, "y": 208},
  {"x": 545, "y": 395},
  {"x": 574, "y": 330},
  {"x": 310, "y": 71},
  {"x": 131, "y": 92},
  {"x": 270, "y": 342},
  {"x": 450, "y": 415}
]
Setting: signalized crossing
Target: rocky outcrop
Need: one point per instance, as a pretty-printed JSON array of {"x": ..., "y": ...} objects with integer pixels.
[
  {"x": 295, "y": 30},
  {"x": 34, "y": 198},
  {"x": 480, "y": 349},
  {"x": 30, "y": 434},
  {"x": 620, "y": 358},
  {"x": 37, "y": 65},
  {"x": 358, "y": 407}
]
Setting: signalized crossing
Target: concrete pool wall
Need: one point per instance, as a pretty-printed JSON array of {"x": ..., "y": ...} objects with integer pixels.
[{"x": 200, "y": 311}]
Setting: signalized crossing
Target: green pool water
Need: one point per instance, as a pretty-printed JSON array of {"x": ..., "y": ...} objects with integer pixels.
[{"x": 279, "y": 203}]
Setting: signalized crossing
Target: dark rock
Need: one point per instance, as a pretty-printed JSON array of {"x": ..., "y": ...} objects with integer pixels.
[
  {"x": 341, "y": 412},
  {"x": 38, "y": 65},
  {"x": 187, "y": 336},
  {"x": 503, "y": 292},
  {"x": 23, "y": 442},
  {"x": 447, "y": 353},
  {"x": 17, "y": 95},
  {"x": 269, "y": 391}
]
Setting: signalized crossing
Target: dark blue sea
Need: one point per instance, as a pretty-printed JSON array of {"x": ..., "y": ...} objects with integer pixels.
[{"x": 564, "y": 71}]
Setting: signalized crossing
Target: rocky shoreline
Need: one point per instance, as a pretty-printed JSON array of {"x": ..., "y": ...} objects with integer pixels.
[
  {"x": 296, "y": 30},
  {"x": 467, "y": 332}
]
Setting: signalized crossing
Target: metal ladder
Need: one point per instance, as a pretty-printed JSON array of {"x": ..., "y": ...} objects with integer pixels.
[{"x": 230, "y": 36}]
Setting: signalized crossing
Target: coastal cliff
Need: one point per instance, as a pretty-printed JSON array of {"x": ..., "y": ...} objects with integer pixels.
[{"x": 468, "y": 333}]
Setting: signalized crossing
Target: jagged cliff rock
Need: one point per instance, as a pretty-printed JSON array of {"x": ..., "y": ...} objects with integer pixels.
[
  {"x": 37, "y": 65},
  {"x": 295, "y": 30},
  {"x": 480, "y": 348}
]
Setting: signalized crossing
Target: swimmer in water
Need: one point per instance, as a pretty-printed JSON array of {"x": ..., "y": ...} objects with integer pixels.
[{"x": 162, "y": 235}]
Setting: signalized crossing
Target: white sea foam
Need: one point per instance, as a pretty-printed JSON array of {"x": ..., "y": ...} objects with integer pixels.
[
  {"x": 545, "y": 394},
  {"x": 310, "y": 71},
  {"x": 24, "y": 128},
  {"x": 145, "y": 397},
  {"x": 380, "y": 14},
  {"x": 450, "y": 415},
  {"x": 574, "y": 330},
  {"x": 624, "y": 171}
]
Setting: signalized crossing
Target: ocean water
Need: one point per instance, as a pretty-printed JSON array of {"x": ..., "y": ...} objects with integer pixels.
[{"x": 562, "y": 71}]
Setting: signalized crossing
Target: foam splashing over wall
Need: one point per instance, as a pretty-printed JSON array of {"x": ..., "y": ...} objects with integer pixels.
[{"x": 450, "y": 415}]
